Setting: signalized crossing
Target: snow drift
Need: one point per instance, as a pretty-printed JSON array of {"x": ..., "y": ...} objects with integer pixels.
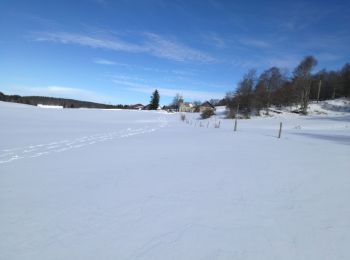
[{"x": 97, "y": 184}]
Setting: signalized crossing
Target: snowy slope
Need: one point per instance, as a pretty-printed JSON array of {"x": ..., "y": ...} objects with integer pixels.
[
  {"x": 100, "y": 184},
  {"x": 337, "y": 107}
]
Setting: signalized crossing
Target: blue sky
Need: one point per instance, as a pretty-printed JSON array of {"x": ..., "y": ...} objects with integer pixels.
[{"x": 120, "y": 51}]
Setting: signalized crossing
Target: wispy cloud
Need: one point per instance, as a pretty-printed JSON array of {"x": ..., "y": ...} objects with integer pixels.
[
  {"x": 331, "y": 42},
  {"x": 88, "y": 40},
  {"x": 64, "y": 92},
  {"x": 250, "y": 42},
  {"x": 216, "y": 40},
  {"x": 44, "y": 22},
  {"x": 58, "y": 90},
  {"x": 286, "y": 62},
  {"x": 173, "y": 50},
  {"x": 237, "y": 41},
  {"x": 291, "y": 25},
  {"x": 300, "y": 15},
  {"x": 152, "y": 44},
  {"x": 326, "y": 56},
  {"x": 104, "y": 62},
  {"x": 188, "y": 94},
  {"x": 168, "y": 91}
]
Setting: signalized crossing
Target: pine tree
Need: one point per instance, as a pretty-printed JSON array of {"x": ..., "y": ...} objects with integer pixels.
[{"x": 155, "y": 100}]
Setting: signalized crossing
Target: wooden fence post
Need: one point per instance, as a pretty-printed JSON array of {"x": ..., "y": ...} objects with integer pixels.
[
  {"x": 235, "y": 128},
  {"x": 280, "y": 131}
]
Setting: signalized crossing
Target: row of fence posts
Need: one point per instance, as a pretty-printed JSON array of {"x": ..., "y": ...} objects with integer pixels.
[
  {"x": 217, "y": 125},
  {"x": 279, "y": 131}
]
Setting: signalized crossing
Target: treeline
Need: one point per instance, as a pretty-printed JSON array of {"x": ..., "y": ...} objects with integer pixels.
[
  {"x": 275, "y": 87},
  {"x": 66, "y": 103}
]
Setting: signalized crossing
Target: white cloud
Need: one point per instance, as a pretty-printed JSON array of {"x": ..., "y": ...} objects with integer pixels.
[
  {"x": 288, "y": 62},
  {"x": 152, "y": 44},
  {"x": 58, "y": 90},
  {"x": 173, "y": 50},
  {"x": 169, "y": 92},
  {"x": 188, "y": 94},
  {"x": 104, "y": 62},
  {"x": 65, "y": 92},
  {"x": 87, "y": 40},
  {"x": 216, "y": 40},
  {"x": 326, "y": 56},
  {"x": 254, "y": 43}
]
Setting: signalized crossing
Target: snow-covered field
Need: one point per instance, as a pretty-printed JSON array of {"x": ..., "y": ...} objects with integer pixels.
[{"x": 111, "y": 184}]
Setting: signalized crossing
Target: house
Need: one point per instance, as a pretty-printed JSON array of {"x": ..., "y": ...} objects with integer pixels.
[
  {"x": 171, "y": 108},
  {"x": 206, "y": 105},
  {"x": 148, "y": 107},
  {"x": 186, "y": 107},
  {"x": 137, "y": 106}
]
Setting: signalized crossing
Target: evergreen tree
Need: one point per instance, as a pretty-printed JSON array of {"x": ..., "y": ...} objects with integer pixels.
[{"x": 154, "y": 100}]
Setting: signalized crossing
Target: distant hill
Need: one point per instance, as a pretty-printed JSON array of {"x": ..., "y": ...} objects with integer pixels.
[{"x": 64, "y": 102}]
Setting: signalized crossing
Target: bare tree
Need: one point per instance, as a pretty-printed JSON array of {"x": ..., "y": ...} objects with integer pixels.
[
  {"x": 302, "y": 80},
  {"x": 231, "y": 103},
  {"x": 244, "y": 93},
  {"x": 345, "y": 80},
  {"x": 177, "y": 100},
  {"x": 269, "y": 81}
]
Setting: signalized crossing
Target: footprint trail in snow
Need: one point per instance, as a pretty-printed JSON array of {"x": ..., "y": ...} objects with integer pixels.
[{"x": 33, "y": 151}]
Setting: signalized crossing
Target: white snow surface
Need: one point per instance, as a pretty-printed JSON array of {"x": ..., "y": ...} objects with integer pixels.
[
  {"x": 98, "y": 184},
  {"x": 50, "y": 106}
]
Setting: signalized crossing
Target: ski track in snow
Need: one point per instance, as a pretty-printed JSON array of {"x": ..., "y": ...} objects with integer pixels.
[{"x": 33, "y": 151}]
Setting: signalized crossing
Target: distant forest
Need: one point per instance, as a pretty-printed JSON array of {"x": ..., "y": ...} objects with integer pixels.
[{"x": 66, "y": 103}]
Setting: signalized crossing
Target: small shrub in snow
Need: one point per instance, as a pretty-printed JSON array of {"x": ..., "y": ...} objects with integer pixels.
[
  {"x": 231, "y": 114},
  {"x": 217, "y": 125},
  {"x": 207, "y": 113},
  {"x": 183, "y": 117}
]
